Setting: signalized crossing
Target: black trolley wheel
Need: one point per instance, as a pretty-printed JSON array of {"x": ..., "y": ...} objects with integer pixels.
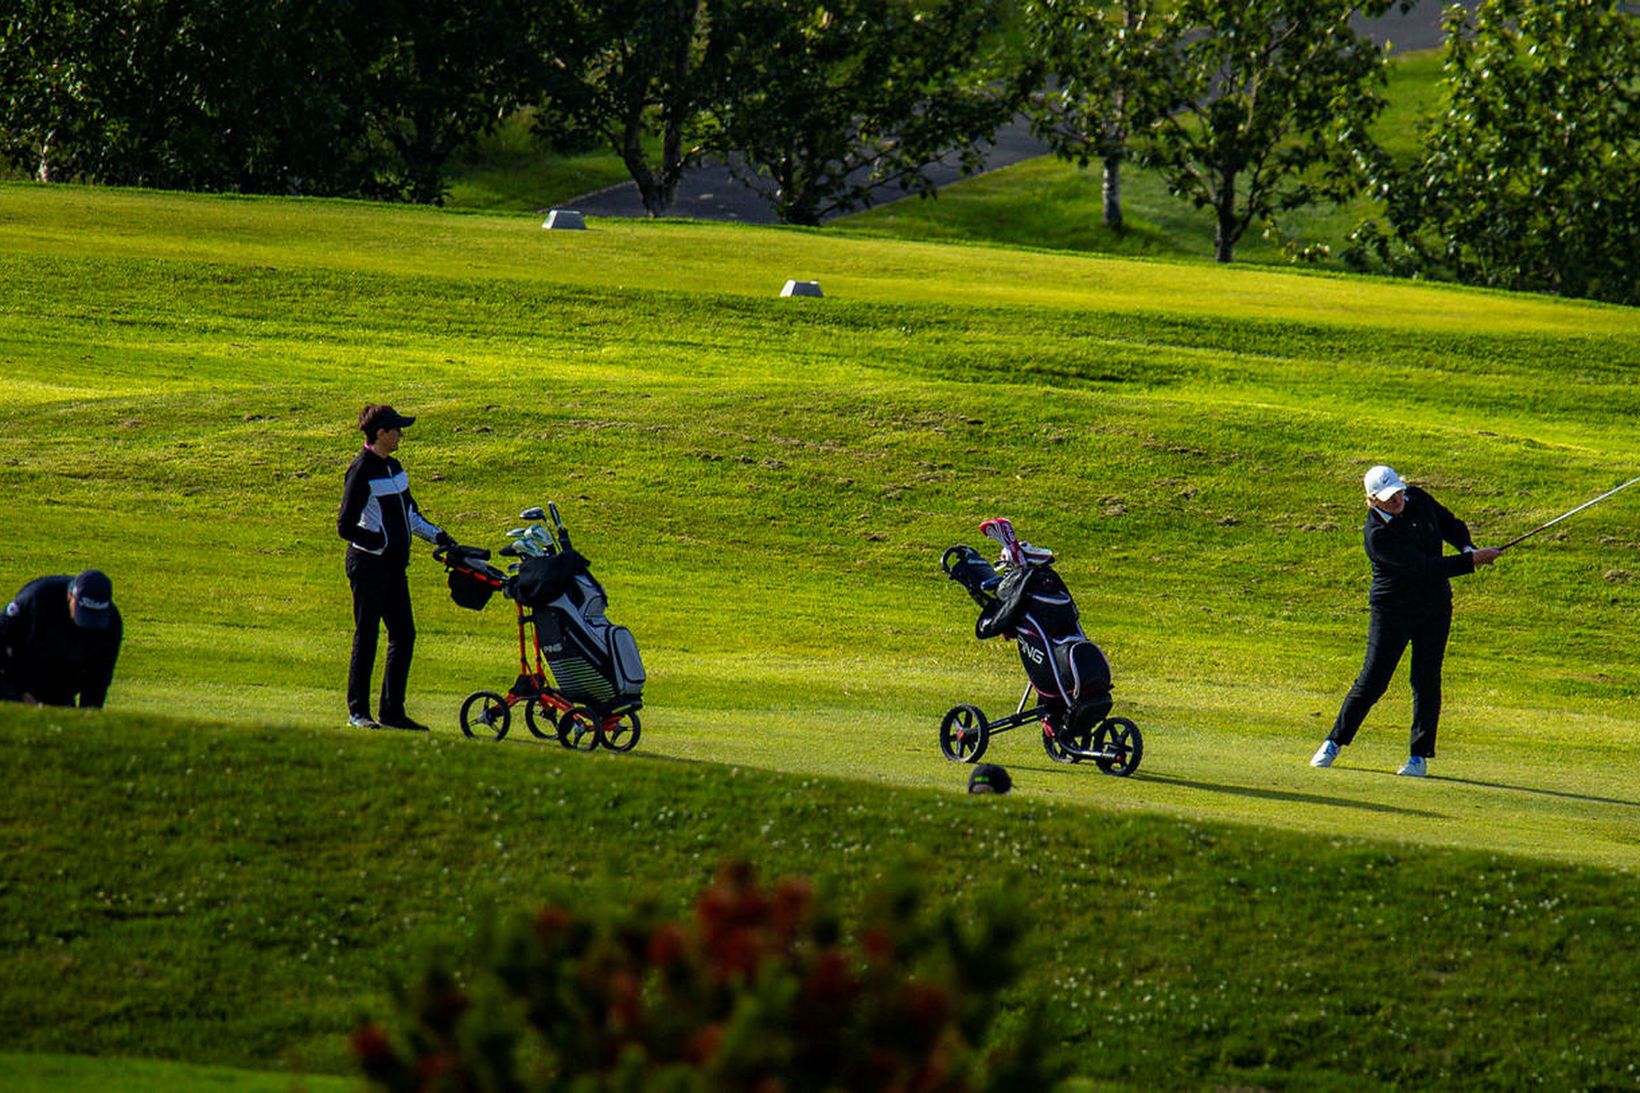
[
  {"x": 578, "y": 729},
  {"x": 1121, "y": 736},
  {"x": 1079, "y": 725},
  {"x": 485, "y": 715},
  {"x": 622, "y": 733},
  {"x": 964, "y": 734},
  {"x": 541, "y": 719}
]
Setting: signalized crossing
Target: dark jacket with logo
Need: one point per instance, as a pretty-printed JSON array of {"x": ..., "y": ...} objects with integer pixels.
[
  {"x": 43, "y": 652},
  {"x": 378, "y": 515},
  {"x": 1408, "y": 568}
]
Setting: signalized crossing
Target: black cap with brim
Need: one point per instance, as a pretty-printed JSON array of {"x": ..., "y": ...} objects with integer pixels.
[
  {"x": 93, "y": 600},
  {"x": 989, "y": 778},
  {"x": 395, "y": 420}
]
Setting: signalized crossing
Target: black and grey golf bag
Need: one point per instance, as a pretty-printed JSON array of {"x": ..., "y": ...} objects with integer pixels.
[
  {"x": 1031, "y": 604},
  {"x": 593, "y": 661}
]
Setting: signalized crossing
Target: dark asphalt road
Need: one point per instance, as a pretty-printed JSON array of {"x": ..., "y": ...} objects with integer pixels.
[{"x": 710, "y": 192}]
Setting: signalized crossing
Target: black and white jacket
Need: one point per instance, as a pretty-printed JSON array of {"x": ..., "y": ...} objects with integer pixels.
[{"x": 378, "y": 515}]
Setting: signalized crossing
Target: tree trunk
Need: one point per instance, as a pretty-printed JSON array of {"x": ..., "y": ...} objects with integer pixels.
[
  {"x": 1112, "y": 191},
  {"x": 1224, "y": 238}
]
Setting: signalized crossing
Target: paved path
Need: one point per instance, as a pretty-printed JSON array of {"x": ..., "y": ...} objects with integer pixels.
[{"x": 710, "y": 192}]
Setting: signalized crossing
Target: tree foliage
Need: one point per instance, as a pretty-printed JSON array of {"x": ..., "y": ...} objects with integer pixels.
[
  {"x": 1270, "y": 104},
  {"x": 759, "y": 991},
  {"x": 276, "y": 96},
  {"x": 1530, "y": 178},
  {"x": 821, "y": 106},
  {"x": 630, "y": 74},
  {"x": 1094, "y": 69}
]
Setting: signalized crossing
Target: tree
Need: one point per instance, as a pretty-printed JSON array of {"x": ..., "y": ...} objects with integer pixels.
[
  {"x": 1530, "y": 179},
  {"x": 1093, "y": 75},
  {"x": 1271, "y": 100},
  {"x": 282, "y": 96},
  {"x": 437, "y": 76},
  {"x": 206, "y": 94},
  {"x": 820, "y": 106},
  {"x": 625, "y": 72}
]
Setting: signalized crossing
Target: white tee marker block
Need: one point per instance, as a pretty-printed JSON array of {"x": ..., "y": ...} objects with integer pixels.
[
  {"x": 564, "y": 220},
  {"x": 802, "y": 288}
]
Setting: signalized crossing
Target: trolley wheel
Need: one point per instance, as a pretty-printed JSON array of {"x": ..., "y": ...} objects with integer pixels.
[
  {"x": 541, "y": 719},
  {"x": 1119, "y": 735},
  {"x": 578, "y": 729},
  {"x": 485, "y": 715},
  {"x": 964, "y": 734},
  {"x": 622, "y": 733}
]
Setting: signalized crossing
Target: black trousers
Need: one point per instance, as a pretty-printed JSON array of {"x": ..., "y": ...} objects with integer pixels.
[
  {"x": 1389, "y": 632},
  {"x": 381, "y": 594}
]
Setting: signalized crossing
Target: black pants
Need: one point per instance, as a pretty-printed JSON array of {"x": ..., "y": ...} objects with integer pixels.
[
  {"x": 1388, "y": 634},
  {"x": 381, "y": 594}
]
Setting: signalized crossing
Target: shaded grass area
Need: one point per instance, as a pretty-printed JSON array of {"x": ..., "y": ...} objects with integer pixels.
[
  {"x": 39, "y": 1073},
  {"x": 269, "y": 883},
  {"x": 509, "y": 170}
]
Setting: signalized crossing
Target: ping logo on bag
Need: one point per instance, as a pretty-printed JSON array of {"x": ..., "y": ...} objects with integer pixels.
[{"x": 1033, "y": 652}]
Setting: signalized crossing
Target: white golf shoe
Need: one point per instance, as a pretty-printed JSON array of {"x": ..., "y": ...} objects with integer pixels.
[
  {"x": 1415, "y": 767},
  {"x": 1324, "y": 755}
]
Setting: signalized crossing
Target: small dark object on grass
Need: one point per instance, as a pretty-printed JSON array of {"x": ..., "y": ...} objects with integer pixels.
[{"x": 989, "y": 778}]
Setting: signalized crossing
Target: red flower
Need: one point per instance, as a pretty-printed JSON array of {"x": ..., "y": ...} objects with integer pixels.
[
  {"x": 667, "y": 944},
  {"x": 371, "y": 1045},
  {"x": 551, "y": 922},
  {"x": 703, "y": 1046}
]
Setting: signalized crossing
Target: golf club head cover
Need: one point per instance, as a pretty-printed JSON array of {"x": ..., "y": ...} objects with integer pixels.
[{"x": 1001, "y": 529}]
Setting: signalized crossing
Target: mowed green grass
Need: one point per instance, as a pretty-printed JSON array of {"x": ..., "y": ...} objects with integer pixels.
[{"x": 765, "y": 486}]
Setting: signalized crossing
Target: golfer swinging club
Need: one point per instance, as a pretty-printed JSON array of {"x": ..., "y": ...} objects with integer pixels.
[
  {"x": 1411, "y": 601},
  {"x": 377, "y": 518}
]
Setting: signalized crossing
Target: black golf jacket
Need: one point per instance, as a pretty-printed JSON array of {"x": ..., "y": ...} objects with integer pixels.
[
  {"x": 378, "y": 515},
  {"x": 1408, "y": 568},
  {"x": 45, "y": 654}
]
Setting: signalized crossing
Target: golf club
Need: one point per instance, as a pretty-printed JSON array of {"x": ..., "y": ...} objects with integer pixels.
[
  {"x": 1572, "y": 512},
  {"x": 563, "y": 532}
]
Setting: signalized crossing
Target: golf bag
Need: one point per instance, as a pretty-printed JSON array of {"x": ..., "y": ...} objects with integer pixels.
[
  {"x": 593, "y": 661},
  {"x": 1030, "y": 604}
]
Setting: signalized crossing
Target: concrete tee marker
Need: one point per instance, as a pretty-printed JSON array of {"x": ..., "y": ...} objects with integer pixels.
[{"x": 564, "y": 220}]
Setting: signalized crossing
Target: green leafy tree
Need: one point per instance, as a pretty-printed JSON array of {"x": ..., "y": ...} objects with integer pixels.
[
  {"x": 204, "y": 94},
  {"x": 1094, "y": 68},
  {"x": 1530, "y": 178},
  {"x": 822, "y": 105},
  {"x": 1271, "y": 100},
  {"x": 628, "y": 74},
  {"x": 437, "y": 75},
  {"x": 282, "y": 96},
  {"x": 760, "y": 990}
]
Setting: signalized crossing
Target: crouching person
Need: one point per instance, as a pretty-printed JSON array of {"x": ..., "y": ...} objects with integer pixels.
[{"x": 59, "y": 640}]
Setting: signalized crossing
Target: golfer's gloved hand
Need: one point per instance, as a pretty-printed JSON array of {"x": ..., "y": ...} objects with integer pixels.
[{"x": 443, "y": 539}]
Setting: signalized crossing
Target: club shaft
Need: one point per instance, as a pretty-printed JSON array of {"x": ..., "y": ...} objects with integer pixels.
[{"x": 1570, "y": 512}]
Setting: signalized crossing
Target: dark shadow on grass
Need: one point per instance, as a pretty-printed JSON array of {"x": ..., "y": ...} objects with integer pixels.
[
  {"x": 1284, "y": 795},
  {"x": 1534, "y": 789}
]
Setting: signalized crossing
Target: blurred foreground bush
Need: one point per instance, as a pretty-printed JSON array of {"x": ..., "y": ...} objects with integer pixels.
[{"x": 760, "y": 991}]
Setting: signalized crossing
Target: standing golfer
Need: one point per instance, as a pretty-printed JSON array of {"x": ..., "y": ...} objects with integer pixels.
[
  {"x": 1411, "y": 601},
  {"x": 59, "y": 640},
  {"x": 378, "y": 517}
]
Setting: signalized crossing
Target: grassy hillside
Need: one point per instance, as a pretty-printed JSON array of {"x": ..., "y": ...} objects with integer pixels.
[
  {"x": 1049, "y": 203},
  {"x": 765, "y": 486}
]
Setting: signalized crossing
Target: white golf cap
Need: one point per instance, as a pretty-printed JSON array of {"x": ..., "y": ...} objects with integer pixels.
[{"x": 1383, "y": 483}]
